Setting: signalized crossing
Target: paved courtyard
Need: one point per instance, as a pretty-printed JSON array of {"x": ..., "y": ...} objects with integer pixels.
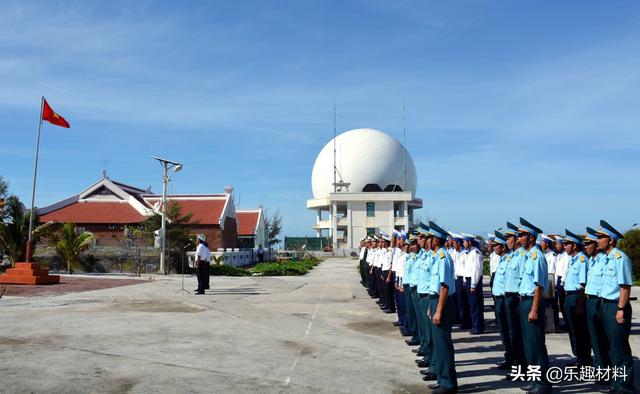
[{"x": 317, "y": 333}]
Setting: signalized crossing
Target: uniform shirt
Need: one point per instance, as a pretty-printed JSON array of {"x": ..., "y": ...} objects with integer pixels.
[
  {"x": 377, "y": 257},
  {"x": 394, "y": 259},
  {"x": 362, "y": 251},
  {"x": 473, "y": 264},
  {"x": 409, "y": 276},
  {"x": 385, "y": 259},
  {"x": 398, "y": 264},
  {"x": 459, "y": 264},
  {"x": 562, "y": 261},
  {"x": 576, "y": 272},
  {"x": 595, "y": 274},
  {"x": 552, "y": 258},
  {"x": 494, "y": 259},
  {"x": 424, "y": 266},
  {"x": 203, "y": 253},
  {"x": 370, "y": 256},
  {"x": 443, "y": 272},
  {"x": 499, "y": 280},
  {"x": 534, "y": 272},
  {"x": 617, "y": 272},
  {"x": 514, "y": 270}
]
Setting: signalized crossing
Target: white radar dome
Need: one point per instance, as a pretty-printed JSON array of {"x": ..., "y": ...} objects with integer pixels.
[{"x": 368, "y": 159}]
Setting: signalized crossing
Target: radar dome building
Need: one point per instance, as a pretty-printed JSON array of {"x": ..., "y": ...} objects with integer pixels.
[{"x": 371, "y": 188}]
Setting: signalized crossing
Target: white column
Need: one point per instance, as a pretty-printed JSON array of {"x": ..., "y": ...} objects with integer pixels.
[
  {"x": 405, "y": 209},
  {"x": 334, "y": 225},
  {"x": 393, "y": 219},
  {"x": 349, "y": 226}
]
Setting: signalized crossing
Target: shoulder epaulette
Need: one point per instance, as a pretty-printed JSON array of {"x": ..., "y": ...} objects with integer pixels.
[
  {"x": 582, "y": 258},
  {"x": 617, "y": 255},
  {"x": 534, "y": 254}
]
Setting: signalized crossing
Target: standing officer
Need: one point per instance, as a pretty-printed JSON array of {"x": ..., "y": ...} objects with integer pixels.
[
  {"x": 363, "y": 261},
  {"x": 532, "y": 286},
  {"x": 499, "y": 280},
  {"x": 442, "y": 312},
  {"x": 512, "y": 296},
  {"x": 462, "y": 303},
  {"x": 203, "y": 258},
  {"x": 561, "y": 269},
  {"x": 425, "y": 291},
  {"x": 548, "y": 248},
  {"x": 386, "y": 258},
  {"x": 409, "y": 288},
  {"x": 595, "y": 276},
  {"x": 574, "y": 300},
  {"x": 474, "y": 267},
  {"x": 397, "y": 267},
  {"x": 423, "y": 272},
  {"x": 616, "y": 308}
]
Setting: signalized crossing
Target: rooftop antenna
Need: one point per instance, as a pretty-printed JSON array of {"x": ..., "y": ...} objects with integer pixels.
[
  {"x": 404, "y": 140},
  {"x": 335, "y": 186}
]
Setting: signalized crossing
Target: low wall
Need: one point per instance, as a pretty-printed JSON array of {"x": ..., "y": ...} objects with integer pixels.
[{"x": 236, "y": 258}]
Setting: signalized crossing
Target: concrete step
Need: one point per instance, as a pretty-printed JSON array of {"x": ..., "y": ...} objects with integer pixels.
[
  {"x": 28, "y": 272},
  {"x": 29, "y": 280}
]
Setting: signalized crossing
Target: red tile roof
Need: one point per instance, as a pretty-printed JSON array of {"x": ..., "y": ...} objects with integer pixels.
[
  {"x": 95, "y": 212},
  {"x": 203, "y": 211},
  {"x": 247, "y": 222}
]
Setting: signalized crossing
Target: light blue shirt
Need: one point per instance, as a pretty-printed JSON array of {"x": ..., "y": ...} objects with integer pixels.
[
  {"x": 424, "y": 272},
  {"x": 534, "y": 272},
  {"x": 617, "y": 271},
  {"x": 409, "y": 261},
  {"x": 443, "y": 272},
  {"x": 576, "y": 272},
  {"x": 595, "y": 274},
  {"x": 500, "y": 277},
  {"x": 514, "y": 270}
]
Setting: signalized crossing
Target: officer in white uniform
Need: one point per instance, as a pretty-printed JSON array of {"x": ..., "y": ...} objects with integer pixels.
[{"x": 203, "y": 258}]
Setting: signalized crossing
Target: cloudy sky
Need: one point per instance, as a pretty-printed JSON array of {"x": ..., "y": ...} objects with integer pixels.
[{"x": 525, "y": 108}]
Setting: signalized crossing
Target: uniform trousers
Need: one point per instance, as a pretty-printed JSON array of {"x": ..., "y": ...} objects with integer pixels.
[
  {"x": 415, "y": 301},
  {"x": 399, "y": 301},
  {"x": 387, "y": 291},
  {"x": 577, "y": 327},
  {"x": 619, "y": 349},
  {"x": 202, "y": 275},
  {"x": 476, "y": 306},
  {"x": 599, "y": 342},
  {"x": 514, "y": 328},
  {"x": 426, "y": 344},
  {"x": 411, "y": 313},
  {"x": 462, "y": 304},
  {"x": 362, "y": 272},
  {"x": 500, "y": 307},
  {"x": 445, "y": 366},
  {"x": 535, "y": 349},
  {"x": 560, "y": 294}
]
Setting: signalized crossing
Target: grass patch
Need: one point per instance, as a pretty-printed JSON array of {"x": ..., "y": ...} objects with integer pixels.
[
  {"x": 286, "y": 268},
  {"x": 228, "y": 270}
]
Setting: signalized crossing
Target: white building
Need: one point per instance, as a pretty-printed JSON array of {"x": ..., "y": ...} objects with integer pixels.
[{"x": 372, "y": 188}]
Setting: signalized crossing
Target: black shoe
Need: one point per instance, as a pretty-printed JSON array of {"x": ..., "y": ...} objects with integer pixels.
[
  {"x": 429, "y": 377},
  {"x": 425, "y": 371},
  {"x": 207, "y": 288},
  {"x": 504, "y": 366},
  {"x": 397, "y": 324},
  {"x": 199, "y": 293},
  {"x": 422, "y": 364},
  {"x": 572, "y": 363},
  {"x": 608, "y": 390},
  {"x": 412, "y": 342},
  {"x": 420, "y": 353},
  {"x": 389, "y": 311},
  {"x": 434, "y": 386},
  {"x": 416, "y": 350},
  {"x": 405, "y": 333},
  {"x": 527, "y": 388}
]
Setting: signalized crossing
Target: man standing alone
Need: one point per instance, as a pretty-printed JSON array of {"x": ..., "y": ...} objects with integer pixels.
[{"x": 203, "y": 258}]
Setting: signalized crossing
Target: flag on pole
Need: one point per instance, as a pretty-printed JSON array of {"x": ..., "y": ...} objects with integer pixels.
[{"x": 52, "y": 117}]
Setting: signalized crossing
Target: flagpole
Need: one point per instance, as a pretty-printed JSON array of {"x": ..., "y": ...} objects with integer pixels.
[{"x": 33, "y": 190}]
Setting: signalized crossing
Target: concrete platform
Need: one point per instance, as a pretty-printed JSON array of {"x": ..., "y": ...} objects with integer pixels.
[{"x": 317, "y": 333}]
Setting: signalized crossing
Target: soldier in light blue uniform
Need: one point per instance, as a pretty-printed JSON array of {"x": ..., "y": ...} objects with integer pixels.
[
  {"x": 413, "y": 294},
  {"x": 532, "y": 286},
  {"x": 407, "y": 277},
  {"x": 425, "y": 293},
  {"x": 595, "y": 272},
  {"x": 574, "y": 301},
  {"x": 616, "y": 308},
  {"x": 497, "y": 290},
  {"x": 442, "y": 312},
  {"x": 513, "y": 275},
  {"x": 424, "y": 277}
]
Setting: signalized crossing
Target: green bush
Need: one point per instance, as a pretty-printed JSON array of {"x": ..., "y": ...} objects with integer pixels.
[
  {"x": 228, "y": 270},
  {"x": 286, "y": 268}
]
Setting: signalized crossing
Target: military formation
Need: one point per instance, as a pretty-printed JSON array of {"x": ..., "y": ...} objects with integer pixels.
[{"x": 433, "y": 280}]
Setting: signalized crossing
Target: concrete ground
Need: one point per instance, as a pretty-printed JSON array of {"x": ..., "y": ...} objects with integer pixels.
[{"x": 316, "y": 333}]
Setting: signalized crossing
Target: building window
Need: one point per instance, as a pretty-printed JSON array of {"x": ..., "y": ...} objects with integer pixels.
[
  {"x": 79, "y": 230},
  {"x": 371, "y": 231},
  {"x": 398, "y": 210},
  {"x": 112, "y": 227},
  {"x": 371, "y": 209}
]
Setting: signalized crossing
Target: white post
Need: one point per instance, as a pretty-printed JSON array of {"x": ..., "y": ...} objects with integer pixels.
[{"x": 165, "y": 180}]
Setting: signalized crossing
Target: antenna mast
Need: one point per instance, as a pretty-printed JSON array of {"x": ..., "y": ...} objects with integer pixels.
[
  {"x": 404, "y": 141},
  {"x": 335, "y": 186}
]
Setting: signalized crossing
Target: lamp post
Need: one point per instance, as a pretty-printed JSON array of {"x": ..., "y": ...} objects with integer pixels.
[{"x": 168, "y": 169}]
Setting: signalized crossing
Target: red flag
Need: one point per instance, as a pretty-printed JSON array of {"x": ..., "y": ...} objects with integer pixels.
[{"x": 52, "y": 117}]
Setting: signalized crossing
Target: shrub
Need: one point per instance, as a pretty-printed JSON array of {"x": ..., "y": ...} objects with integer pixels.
[
  {"x": 228, "y": 270},
  {"x": 286, "y": 268}
]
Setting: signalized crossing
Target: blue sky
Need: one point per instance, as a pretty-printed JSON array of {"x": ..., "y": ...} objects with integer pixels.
[{"x": 514, "y": 108}]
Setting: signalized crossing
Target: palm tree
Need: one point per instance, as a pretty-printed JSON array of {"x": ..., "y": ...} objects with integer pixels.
[
  {"x": 14, "y": 229},
  {"x": 69, "y": 244}
]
